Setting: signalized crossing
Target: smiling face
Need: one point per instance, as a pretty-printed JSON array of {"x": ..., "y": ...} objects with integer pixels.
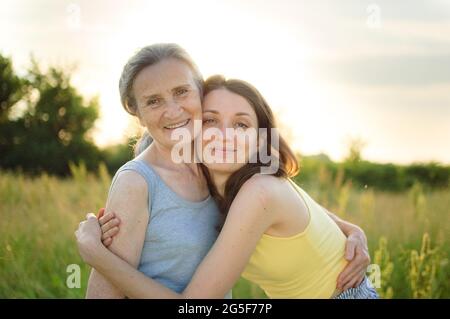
[
  {"x": 225, "y": 112},
  {"x": 167, "y": 99}
]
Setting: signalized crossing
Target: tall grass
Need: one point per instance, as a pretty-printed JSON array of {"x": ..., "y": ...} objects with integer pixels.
[{"x": 407, "y": 233}]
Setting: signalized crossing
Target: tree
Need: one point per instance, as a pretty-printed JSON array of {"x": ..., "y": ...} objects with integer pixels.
[
  {"x": 12, "y": 88},
  {"x": 354, "y": 150},
  {"x": 53, "y": 129}
]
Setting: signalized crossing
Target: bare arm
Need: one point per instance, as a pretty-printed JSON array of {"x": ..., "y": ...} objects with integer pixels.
[
  {"x": 219, "y": 270},
  {"x": 356, "y": 252},
  {"x": 128, "y": 199},
  {"x": 346, "y": 227}
]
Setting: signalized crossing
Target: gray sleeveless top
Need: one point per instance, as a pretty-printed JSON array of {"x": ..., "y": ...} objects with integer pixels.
[{"x": 179, "y": 233}]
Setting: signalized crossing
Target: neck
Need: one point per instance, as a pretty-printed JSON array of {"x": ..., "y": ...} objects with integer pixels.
[
  {"x": 220, "y": 179},
  {"x": 162, "y": 156}
]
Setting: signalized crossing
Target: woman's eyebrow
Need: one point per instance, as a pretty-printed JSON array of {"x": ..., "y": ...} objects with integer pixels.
[
  {"x": 237, "y": 114},
  {"x": 159, "y": 94},
  {"x": 147, "y": 97},
  {"x": 242, "y": 114},
  {"x": 181, "y": 86}
]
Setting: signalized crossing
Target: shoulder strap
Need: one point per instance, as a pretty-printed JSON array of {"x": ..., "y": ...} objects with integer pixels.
[{"x": 145, "y": 171}]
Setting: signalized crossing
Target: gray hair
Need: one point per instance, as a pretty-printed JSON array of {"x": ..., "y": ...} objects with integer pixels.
[{"x": 147, "y": 56}]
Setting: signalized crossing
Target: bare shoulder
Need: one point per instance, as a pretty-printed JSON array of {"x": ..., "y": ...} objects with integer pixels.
[
  {"x": 261, "y": 187},
  {"x": 128, "y": 199},
  {"x": 129, "y": 193},
  {"x": 130, "y": 182},
  {"x": 262, "y": 182}
]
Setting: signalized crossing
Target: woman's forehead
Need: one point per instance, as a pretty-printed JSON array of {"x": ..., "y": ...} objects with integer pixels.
[
  {"x": 164, "y": 75},
  {"x": 225, "y": 101}
]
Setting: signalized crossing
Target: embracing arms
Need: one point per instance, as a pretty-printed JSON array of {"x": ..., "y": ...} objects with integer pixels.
[
  {"x": 356, "y": 252},
  {"x": 128, "y": 199},
  {"x": 228, "y": 256}
]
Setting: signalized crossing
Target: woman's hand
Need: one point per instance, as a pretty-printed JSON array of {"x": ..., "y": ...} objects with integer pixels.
[
  {"x": 109, "y": 224},
  {"x": 357, "y": 253},
  {"x": 88, "y": 237}
]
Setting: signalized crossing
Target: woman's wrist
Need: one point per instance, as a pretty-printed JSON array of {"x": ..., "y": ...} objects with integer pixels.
[
  {"x": 95, "y": 254},
  {"x": 356, "y": 231}
]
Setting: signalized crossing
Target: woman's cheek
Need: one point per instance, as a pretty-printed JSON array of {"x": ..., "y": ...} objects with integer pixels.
[
  {"x": 249, "y": 146},
  {"x": 195, "y": 107}
]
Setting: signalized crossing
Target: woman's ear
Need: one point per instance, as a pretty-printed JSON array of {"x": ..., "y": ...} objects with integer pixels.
[{"x": 134, "y": 110}]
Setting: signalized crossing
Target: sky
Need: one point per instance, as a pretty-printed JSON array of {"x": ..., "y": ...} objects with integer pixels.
[{"x": 333, "y": 71}]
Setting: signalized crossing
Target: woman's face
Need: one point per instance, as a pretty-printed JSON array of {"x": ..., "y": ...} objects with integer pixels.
[
  {"x": 228, "y": 121},
  {"x": 167, "y": 99}
]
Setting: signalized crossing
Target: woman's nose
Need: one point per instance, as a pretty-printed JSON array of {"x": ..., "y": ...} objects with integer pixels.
[
  {"x": 227, "y": 132},
  {"x": 173, "y": 109}
]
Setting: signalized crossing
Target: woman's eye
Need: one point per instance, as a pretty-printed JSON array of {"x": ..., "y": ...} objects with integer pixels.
[
  {"x": 181, "y": 92},
  {"x": 242, "y": 125},
  {"x": 153, "y": 102},
  {"x": 208, "y": 121}
]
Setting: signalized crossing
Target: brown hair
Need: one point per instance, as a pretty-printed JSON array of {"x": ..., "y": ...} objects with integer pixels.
[{"x": 288, "y": 165}]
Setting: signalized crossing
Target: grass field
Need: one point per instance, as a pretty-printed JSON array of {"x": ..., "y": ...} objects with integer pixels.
[{"x": 408, "y": 233}]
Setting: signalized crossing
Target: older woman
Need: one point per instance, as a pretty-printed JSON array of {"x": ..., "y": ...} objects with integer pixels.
[{"x": 169, "y": 220}]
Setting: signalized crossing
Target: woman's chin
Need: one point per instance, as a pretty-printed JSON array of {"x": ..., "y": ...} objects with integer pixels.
[{"x": 228, "y": 168}]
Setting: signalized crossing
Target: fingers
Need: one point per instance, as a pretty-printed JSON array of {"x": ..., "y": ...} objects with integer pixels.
[
  {"x": 110, "y": 233},
  {"x": 349, "y": 272},
  {"x": 79, "y": 226},
  {"x": 350, "y": 247},
  {"x": 352, "y": 283},
  {"x": 346, "y": 275},
  {"x": 354, "y": 269},
  {"x": 90, "y": 216},
  {"x": 110, "y": 224},
  {"x": 101, "y": 212},
  {"x": 353, "y": 277},
  {"x": 106, "y": 218},
  {"x": 363, "y": 256},
  {"x": 108, "y": 241},
  {"x": 361, "y": 278}
]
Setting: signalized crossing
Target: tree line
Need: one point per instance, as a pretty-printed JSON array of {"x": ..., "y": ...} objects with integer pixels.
[{"x": 46, "y": 125}]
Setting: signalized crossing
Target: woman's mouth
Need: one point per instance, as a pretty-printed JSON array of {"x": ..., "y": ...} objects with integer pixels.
[
  {"x": 224, "y": 152},
  {"x": 177, "y": 125}
]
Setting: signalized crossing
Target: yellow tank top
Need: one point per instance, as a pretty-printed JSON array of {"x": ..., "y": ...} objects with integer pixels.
[{"x": 305, "y": 265}]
